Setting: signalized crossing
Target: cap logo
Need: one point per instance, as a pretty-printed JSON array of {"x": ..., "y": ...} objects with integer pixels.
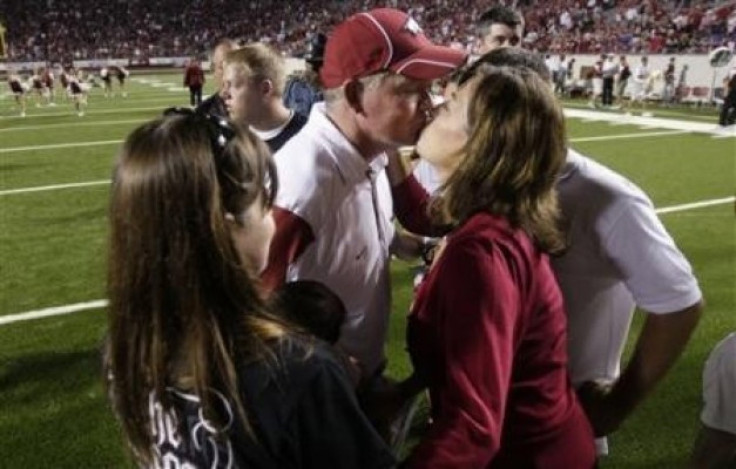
[{"x": 412, "y": 26}]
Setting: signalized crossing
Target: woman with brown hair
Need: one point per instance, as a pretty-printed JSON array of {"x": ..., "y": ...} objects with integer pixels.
[
  {"x": 486, "y": 332},
  {"x": 200, "y": 372}
]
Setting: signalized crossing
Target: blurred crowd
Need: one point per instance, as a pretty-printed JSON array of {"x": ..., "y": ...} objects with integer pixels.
[{"x": 63, "y": 30}]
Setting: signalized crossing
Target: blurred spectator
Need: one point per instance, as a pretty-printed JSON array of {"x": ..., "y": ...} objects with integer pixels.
[
  {"x": 609, "y": 72},
  {"x": 668, "y": 96},
  {"x": 623, "y": 78},
  {"x": 194, "y": 80},
  {"x": 214, "y": 104},
  {"x": 728, "y": 110},
  {"x": 303, "y": 89}
]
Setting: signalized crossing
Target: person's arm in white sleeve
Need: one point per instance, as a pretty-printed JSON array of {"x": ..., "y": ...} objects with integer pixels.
[{"x": 661, "y": 281}]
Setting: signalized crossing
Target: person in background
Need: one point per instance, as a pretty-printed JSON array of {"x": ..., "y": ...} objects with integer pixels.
[
  {"x": 106, "y": 77},
  {"x": 200, "y": 372},
  {"x": 39, "y": 88},
  {"x": 78, "y": 90},
  {"x": 560, "y": 75},
  {"x": 47, "y": 77},
  {"x": 668, "y": 94},
  {"x": 194, "y": 80},
  {"x": 682, "y": 89},
  {"x": 624, "y": 74},
  {"x": 728, "y": 110},
  {"x": 304, "y": 89},
  {"x": 499, "y": 26},
  {"x": 715, "y": 446},
  {"x": 253, "y": 86},
  {"x": 121, "y": 73},
  {"x": 18, "y": 90},
  {"x": 608, "y": 73},
  {"x": 596, "y": 82},
  {"x": 214, "y": 104},
  {"x": 639, "y": 91},
  {"x": 620, "y": 257}
]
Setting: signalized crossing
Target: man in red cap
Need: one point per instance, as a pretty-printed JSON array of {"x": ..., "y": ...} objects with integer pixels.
[{"x": 333, "y": 211}]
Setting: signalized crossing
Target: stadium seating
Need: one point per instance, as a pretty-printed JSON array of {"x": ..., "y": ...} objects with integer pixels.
[{"x": 64, "y": 30}]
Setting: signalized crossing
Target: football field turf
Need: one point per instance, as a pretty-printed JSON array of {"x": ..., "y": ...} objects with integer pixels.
[{"x": 54, "y": 181}]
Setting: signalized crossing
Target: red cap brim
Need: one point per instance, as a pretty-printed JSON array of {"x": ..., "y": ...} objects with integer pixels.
[{"x": 430, "y": 63}]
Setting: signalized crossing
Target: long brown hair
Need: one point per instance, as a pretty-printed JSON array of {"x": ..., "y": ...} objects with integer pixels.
[
  {"x": 183, "y": 309},
  {"x": 516, "y": 147}
]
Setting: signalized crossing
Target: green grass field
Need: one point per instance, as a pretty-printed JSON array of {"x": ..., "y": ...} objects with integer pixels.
[{"x": 52, "y": 253}]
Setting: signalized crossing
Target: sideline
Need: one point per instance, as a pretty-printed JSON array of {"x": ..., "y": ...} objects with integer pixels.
[{"x": 648, "y": 122}]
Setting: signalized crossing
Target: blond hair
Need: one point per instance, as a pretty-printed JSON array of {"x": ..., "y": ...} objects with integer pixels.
[{"x": 260, "y": 62}]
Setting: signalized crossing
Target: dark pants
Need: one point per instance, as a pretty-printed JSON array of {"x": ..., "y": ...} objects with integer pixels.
[
  {"x": 728, "y": 111},
  {"x": 607, "y": 98},
  {"x": 195, "y": 95}
]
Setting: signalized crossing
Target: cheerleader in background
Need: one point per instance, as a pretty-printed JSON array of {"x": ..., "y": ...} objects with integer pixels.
[
  {"x": 47, "y": 79},
  {"x": 18, "y": 88},
  {"x": 121, "y": 73},
  {"x": 64, "y": 80},
  {"x": 78, "y": 91},
  {"x": 106, "y": 81},
  {"x": 39, "y": 90}
]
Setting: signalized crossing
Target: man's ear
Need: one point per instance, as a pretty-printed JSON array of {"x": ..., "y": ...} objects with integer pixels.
[
  {"x": 266, "y": 87},
  {"x": 354, "y": 95}
]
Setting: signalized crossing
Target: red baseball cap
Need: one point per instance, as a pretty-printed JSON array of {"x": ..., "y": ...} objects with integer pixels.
[{"x": 384, "y": 39}]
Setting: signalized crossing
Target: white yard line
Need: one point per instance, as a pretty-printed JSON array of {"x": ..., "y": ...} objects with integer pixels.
[
  {"x": 53, "y": 187},
  {"x": 98, "y": 304},
  {"x": 663, "y": 133},
  {"x": 60, "y": 145},
  {"x": 85, "y": 123},
  {"x": 55, "y": 311},
  {"x": 120, "y": 110},
  {"x": 694, "y": 205}
]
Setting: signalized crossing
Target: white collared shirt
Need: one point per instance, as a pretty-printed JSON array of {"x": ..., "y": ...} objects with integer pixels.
[
  {"x": 347, "y": 203},
  {"x": 620, "y": 256}
]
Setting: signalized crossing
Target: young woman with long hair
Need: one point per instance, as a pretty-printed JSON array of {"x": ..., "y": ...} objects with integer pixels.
[{"x": 200, "y": 372}]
